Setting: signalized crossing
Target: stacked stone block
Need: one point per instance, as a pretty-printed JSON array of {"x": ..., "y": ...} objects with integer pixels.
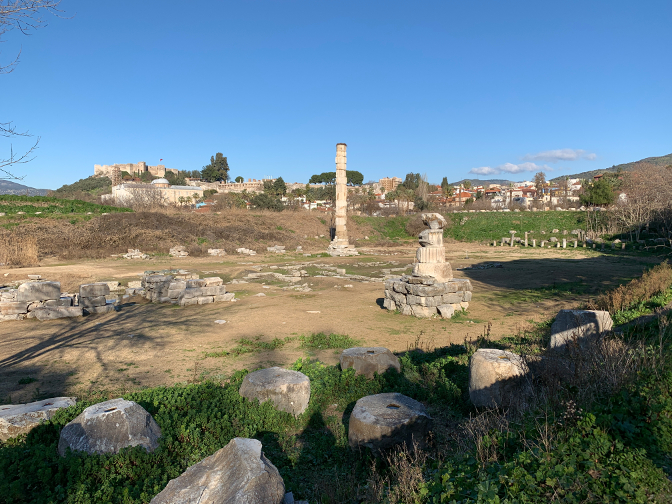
[
  {"x": 93, "y": 298},
  {"x": 431, "y": 289},
  {"x": 41, "y": 300},
  {"x": 425, "y": 297},
  {"x": 167, "y": 289}
]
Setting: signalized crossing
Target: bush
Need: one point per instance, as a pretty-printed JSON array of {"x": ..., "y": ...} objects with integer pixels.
[
  {"x": 640, "y": 290},
  {"x": 263, "y": 201}
]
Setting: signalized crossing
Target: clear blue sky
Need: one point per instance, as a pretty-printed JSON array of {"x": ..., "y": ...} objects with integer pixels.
[{"x": 440, "y": 87}]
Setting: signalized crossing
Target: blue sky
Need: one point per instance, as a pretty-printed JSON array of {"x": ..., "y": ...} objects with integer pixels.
[{"x": 501, "y": 89}]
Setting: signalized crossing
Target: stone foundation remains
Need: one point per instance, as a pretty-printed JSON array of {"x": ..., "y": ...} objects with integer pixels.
[
  {"x": 160, "y": 288},
  {"x": 431, "y": 289},
  {"x": 41, "y": 300}
]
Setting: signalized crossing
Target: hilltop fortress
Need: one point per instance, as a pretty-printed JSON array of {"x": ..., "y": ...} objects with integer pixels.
[{"x": 134, "y": 169}]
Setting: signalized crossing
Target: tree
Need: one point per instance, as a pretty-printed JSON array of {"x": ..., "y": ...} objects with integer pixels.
[
  {"x": 217, "y": 170},
  {"x": 24, "y": 15},
  {"x": 323, "y": 178},
  {"x": 412, "y": 181},
  {"x": 240, "y": 179},
  {"x": 467, "y": 184},
  {"x": 354, "y": 177},
  {"x": 280, "y": 187},
  {"x": 265, "y": 201},
  {"x": 597, "y": 193},
  {"x": 539, "y": 183}
]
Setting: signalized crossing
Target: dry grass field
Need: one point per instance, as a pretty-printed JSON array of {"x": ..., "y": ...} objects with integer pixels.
[{"x": 145, "y": 345}]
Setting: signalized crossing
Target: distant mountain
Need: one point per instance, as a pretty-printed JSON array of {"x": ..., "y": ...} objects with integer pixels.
[
  {"x": 650, "y": 161},
  {"x": 477, "y": 182},
  {"x": 9, "y": 187}
]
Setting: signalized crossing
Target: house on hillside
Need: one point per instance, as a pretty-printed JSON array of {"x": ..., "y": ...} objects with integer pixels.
[{"x": 159, "y": 192}]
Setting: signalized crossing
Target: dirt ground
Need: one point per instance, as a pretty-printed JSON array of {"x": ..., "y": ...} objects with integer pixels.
[{"x": 147, "y": 345}]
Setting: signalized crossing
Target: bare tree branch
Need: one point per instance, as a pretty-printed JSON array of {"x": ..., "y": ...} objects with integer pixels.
[{"x": 24, "y": 15}]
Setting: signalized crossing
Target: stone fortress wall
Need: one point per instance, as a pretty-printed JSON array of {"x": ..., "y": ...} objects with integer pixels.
[{"x": 132, "y": 168}]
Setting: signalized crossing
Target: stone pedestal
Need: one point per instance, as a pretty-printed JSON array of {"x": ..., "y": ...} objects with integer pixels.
[
  {"x": 288, "y": 390},
  {"x": 369, "y": 360}
]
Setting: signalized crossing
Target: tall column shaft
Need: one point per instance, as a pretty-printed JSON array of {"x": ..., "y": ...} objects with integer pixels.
[{"x": 341, "y": 194}]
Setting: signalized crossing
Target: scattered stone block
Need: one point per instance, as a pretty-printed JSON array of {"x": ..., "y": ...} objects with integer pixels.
[
  {"x": 108, "y": 427},
  {"x": 135, "y": 284},
  {"x": 213, "y": 281},
  {"x": 578, "y": 326},
  {"x": 288, "y": 390},
  {"x": 94, "y": 290},
  {"x": 13, "y": 307},
  {"x": 217, "y": 252},
  {"x": 39, "y": 291},
  {"x": 100, "y": 310},
  {"x": 238, "y": 473},
  {"x": 382, "y": 421},
  {"x": 91, "y": 302},
  {"x": 17, "y": 419},
  {"x": 34, "y": 277},
  {"x": 369, "y": 360},
  {"x": 57, "y": 312},
  {"x": 178, "y": 251},
  {"x": 495, "y": 377},
  {"x": 446, "y": 310},
  {"x": 229, "y": 296}
]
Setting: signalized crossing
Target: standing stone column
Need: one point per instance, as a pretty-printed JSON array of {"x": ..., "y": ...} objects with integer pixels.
[{"x": 340, "y": 246}]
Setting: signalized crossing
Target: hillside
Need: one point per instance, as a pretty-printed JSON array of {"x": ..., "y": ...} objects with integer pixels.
[
  {"x": 478, "y": 182},
  {"x": 655, "y": 161},
  {"x": 9, "y": 187}
]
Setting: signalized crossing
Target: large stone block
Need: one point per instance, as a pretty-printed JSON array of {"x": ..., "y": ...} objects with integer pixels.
[
  {"x": 38, "y": 291},
  {"x": 90, "y": 302},
  {"x": 446, "y": 310},
  {"x": 441, "y": 271},
  {"x": 423, "y": 311},
  {"x": 382, "y": 421},
  {"x": 229, "y": 296},
  {"x": 178, "y": 285},
  {"x": 213, "y": 281},
  {"x": 369, "y": 360},
  {"x": 195, "y": 282},
  {"x": 94, "y": 290},
  {"x": 108, "y": 427},
  {"x": 17, "y": 419},
  {"x": 57, "y": 312},
  {"x": 578, "y": 326},
  {"x": 100, "y": 310},
  {"x": 238, "y": 473},
  {"x": 401, "y": 287},
  {"x": 427, "y": 290},
  {"x": 288, "y": 390},
  {"x": 451, "y": 298},
  {"x": 389, "y": 304},
  {"x": 495, "y": 377},
  {"x": 13, "y": 307}
]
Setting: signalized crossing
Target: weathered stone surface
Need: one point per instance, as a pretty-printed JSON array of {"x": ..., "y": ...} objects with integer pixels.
[
  {"x": 13, "y": 307},
  {"x": 453, "y": 297},
  {"x": 38, "y": 291},
  {"x": 205, "y": 300},
  {"x": 90, "y": 302},
  {"x": 195, "y": 282},
  {"x": 108, "y": 427},
  {"x": 578, "y": 325},
  {"x": 93, "y": 290},
  {"x": 369, "y": 360},
  {"x": 177, "y": 285},
  {"x": 47, "y": 313},
  {"x": 389, "y": 304},
  {"x": 445, "y": 310},
  {"x": 212, "y": 281},
  {"x": 288, "y": 390},
  {"x": 100, "y": 310},
  {"x": 434, "y": 220},
  {"x": 224, "y": 297},
  {"x": 495, "y": 377},
  {"x": 238, "y": 473},
  {"x": 401, "y": 287},
  {"x": 423, "y": 311},
  {"x": 17, "y": 419},
  {"x": 382, "y": 421},
  {"x": 441, "y": 271},
  {"x": 427, "y": 290}
]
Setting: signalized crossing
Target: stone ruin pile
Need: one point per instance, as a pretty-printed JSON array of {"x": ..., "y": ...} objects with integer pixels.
[
  {"x": 178, "y": 251},
  {"x": 160, "y": 288},
  {"x": 135, "y": 254},
  {"x": 41, "y": 300},
  {"x": 431, "y": 288}
]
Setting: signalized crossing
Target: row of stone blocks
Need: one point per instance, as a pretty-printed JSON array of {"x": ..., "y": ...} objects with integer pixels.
[
  {"x": 425, "y": 297},
  {"x": 500, "y": 378},
  {"x": 167, "y": 289},
  {"x": 43, "y": 300}
]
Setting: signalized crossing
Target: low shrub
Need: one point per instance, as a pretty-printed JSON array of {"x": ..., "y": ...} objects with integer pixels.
[
  {"x": 17, "y": 250},
  {"x": 640, "y": 290}
]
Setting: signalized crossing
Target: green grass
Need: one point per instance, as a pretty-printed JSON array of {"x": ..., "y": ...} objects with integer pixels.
[
  {"x": 321, "y": 341},
  {"x": 479, "y": 227},
  {"x": 246, "y": 345},
  {"x": 11, "y": 204},
  {"x": 27, "y": 380}
]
